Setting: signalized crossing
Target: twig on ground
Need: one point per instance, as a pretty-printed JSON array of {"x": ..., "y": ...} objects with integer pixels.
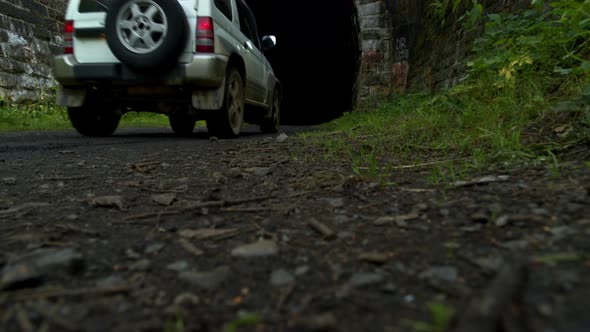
[
  {"x": 321, "y": 228},
  {"x": 285, "y": 296},
  {"x": 27, "y": 295},
  {"x": 64, "y": 178},
  {"x": 191, "y": 248}
]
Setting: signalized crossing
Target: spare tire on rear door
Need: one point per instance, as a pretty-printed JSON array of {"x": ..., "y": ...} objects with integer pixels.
[{"x": 145, "y": 34}]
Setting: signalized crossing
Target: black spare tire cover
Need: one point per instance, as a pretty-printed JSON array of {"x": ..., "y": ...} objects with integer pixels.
[{"x": 146, "y": 34}]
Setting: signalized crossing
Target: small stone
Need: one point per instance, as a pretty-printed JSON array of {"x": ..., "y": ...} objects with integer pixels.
[
  {"x": 213, "y": 139},
  {"x": 562, "y": 231},
  {"x": 480, "y": 217},
  {"x": 343, "y": 235},
  {"x": 257, "y": 249},
  {"x": 421, "y": 206},
  {"x": 341, "y": 219},
  {"x": 164, "y": 199},
  {"x": 301, "y": 270},
  {"x": 72, "y": 217},
  {"x": 186, "y": 299},
  {"x": 282, "y": 137},
  {"x": 490, "y": 264},
  {"x": 178, "y": 266},
  {"x": 111, "y": 282},
  {"x": 132, "y": 254},
  {"x": 515, "y": 244},
  {"x": 18, "y": 276},
  {"x": 362, "y": 279},
  {"x": 471, "y": 228},
  {"x": 389, "y": 288},
  {"x": 165, "y": 165},
  {"x": 9, "y": 181},
  {"x": 258, "y": 171},
  {"x": 154, "y": 248},
  {"x": 206, "y": 280},
  {"x": 234, "y": 172},
  {"x": 502, "y": 221},
  {"x": 334, "y": 202},
  {"x": 447, "y": 273},
  {"x": 320, "y": 322},
  {"x": 281, "y": 278},
  {"x": 409, "y": 298},
  {"x": 141, "y": 265},
  {"x": 545, "y": 309},
  {"x": 49, "y": 261},
  {"x": 374, "y": 257},
  {"x": 107, "y": 202}
]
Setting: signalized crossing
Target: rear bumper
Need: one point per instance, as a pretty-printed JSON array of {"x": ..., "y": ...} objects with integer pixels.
[{"x": 206, "y": 71}]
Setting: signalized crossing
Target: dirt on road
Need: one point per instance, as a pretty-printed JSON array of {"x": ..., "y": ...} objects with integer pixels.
[{"x": 147, "y": 232}]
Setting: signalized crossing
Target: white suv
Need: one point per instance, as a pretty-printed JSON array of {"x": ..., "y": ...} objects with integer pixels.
[{"x": 189, "y": 59}]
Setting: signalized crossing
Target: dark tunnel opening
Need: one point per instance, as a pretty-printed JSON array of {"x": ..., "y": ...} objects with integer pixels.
[{"x": 317, "y": 58}]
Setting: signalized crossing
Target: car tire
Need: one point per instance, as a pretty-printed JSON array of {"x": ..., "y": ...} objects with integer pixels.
[
  {"x": 228, "y": 121},
  {"x": 271, "y": 125},
  {"x": 182, "y": 124},
  {"x": 95, "y": 118},
  {"x": 146, "y": 34}
]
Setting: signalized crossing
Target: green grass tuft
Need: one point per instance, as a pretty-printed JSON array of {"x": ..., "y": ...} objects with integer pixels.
[{"x": 525, "y": 98}]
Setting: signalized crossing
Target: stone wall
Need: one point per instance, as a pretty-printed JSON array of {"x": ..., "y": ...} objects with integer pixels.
[
  {"x": 376, "y": 44},
  {"x": 30, "y": 34},
  {"x": 404, "y": 49}
]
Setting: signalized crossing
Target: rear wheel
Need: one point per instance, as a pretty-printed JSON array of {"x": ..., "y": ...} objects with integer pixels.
[
  {"x": 228, "y": 121},
  {"x": 272, "y": 124},
  {"x": 95, "y": 118},
  {"x": 182, "y": 124}
]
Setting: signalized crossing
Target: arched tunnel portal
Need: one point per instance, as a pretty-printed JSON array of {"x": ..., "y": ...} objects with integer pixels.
[{"x": 317, "y": 57}]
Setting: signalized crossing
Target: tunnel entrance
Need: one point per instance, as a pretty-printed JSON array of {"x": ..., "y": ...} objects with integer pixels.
[{"x": 317, "y": 58}]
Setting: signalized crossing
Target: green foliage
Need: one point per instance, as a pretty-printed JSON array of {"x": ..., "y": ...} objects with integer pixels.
[
  {"x": 32, "y": 117},
  {"x": 244, "y": 319},
  {"x": 47, "y": 116},
  {"x": 441, "y": 316},
  {"x": 529, "y": 71}
]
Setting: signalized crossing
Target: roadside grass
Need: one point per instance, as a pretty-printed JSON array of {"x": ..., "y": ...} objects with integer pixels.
[
  {"x": 526, "y": 98},
  {"x": 47, "y": 116}
]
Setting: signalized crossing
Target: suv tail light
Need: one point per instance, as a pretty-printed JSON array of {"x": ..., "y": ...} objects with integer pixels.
[
  {"x": 205, "y": 35},
  {"x": 69, "y": 37}
]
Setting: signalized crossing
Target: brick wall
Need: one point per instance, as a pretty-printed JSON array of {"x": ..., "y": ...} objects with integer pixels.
[
  {"x": 376, "y": 44},
  {"x": 30, "y": 34},
  {"x": 403, "y": 50}
]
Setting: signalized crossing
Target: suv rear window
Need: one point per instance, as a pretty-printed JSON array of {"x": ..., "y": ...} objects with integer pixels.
[{"x": 92, "y": 6}]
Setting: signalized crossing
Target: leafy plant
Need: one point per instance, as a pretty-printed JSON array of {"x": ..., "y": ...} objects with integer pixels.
[
  {"x": 441, "y": 316},
  {"x": 524, "y": 65}
]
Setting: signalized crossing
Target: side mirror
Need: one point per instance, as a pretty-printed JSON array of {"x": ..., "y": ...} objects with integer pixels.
[{"x": 268, "y": 42}]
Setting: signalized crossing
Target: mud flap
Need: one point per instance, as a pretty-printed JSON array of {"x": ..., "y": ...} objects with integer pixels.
[
  {"x": 70, "y": 97},
  {"x": 210, "y": 99}
]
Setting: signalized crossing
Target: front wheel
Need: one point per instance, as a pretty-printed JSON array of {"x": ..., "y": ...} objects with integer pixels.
[
  {"x": 271, "y": 125},
  {"x": 94, "y": 118},
  {"x": 228, "y": 121}
]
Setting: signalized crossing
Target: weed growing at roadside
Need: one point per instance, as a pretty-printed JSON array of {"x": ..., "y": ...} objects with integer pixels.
[
  {"x": 526, "y": 97},
  {"x": 48, "y": 116}
]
